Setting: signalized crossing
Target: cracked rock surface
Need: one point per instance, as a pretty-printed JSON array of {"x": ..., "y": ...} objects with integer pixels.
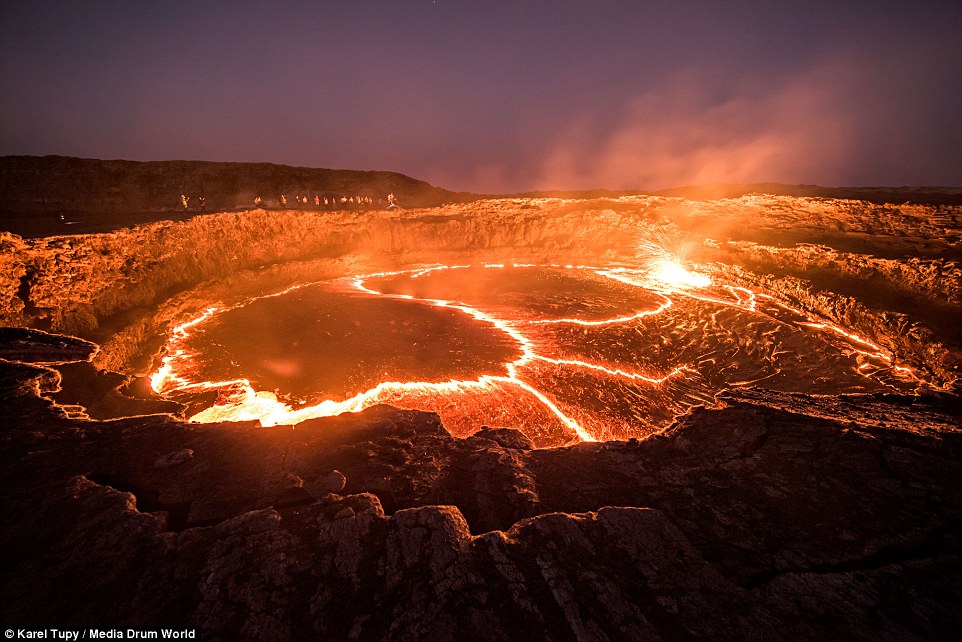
[{"x": 772, "y": 517}]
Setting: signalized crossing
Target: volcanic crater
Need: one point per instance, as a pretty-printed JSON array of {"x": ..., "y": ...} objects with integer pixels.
[
  {"x": 620, "y": 418},
  {"x": 597, "y": 353}
]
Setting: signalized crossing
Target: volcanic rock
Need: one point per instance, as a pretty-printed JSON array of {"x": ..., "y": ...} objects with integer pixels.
[
  {"x": 754, "y": 521},
  {"x": 34, "y": 346},
  {"x": 763, "y": 515}
]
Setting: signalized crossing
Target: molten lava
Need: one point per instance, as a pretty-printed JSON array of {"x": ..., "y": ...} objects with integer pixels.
[
  {"x": 673, "y": 274},
  {"x": 560, "y": 352}
]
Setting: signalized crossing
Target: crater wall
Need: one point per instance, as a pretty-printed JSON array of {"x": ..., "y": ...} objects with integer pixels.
[{"x": 99, "y": 285}]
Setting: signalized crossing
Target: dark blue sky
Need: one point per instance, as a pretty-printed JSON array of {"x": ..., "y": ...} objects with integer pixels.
[{"x": 498, "y": 96}]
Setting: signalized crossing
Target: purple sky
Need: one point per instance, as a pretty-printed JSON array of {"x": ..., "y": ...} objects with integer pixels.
[{"x": 498, "y": 96}]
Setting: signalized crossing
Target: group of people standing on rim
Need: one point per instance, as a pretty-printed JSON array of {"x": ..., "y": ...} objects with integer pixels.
[
  {"x": 201, "y": 202},
  {"x": 327, "y": 201}
]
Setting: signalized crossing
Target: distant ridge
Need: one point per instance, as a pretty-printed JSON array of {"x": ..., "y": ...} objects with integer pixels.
[
  {"x": 52, "y": 184},
  {"x": 52, "y": 195}
]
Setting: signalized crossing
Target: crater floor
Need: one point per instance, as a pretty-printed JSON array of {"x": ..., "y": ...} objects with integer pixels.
[{"x": 561, "y": 353}]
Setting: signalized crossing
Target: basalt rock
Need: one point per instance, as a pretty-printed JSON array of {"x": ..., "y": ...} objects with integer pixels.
[
  {"x": 33, "y": 346},
  {"x": 773, "y": 517}
]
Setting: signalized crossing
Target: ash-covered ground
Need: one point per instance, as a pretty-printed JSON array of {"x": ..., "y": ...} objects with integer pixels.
[{"x": 807, "y": 487}]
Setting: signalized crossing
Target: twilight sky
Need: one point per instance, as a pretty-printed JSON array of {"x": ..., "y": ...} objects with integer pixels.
[{"x": 498, "y": 96}]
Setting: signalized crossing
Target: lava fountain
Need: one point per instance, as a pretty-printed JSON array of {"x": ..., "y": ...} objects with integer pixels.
[{"x": 561, "y": 352}]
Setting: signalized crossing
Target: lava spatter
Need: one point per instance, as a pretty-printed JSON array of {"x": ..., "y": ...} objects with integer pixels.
[{"x": 640, "y": 346}]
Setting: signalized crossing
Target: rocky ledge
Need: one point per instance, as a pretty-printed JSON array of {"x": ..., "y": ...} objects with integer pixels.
[{"x": 772, "y": 517}]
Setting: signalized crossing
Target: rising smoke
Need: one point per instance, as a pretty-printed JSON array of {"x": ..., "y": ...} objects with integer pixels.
[
  {"x": 848, "y": 120},
  {"x": 690, "y": 131}
]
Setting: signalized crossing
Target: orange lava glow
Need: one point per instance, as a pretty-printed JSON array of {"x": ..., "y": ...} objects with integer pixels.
[
  {"x": 517, "y": 383},
  {"x": 673, "y": 274}
]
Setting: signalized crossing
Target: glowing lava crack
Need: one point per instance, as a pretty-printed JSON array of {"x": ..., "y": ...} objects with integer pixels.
[{"x": 642, "y": 347}]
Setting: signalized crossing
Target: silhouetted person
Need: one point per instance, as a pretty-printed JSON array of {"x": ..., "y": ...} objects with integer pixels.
[
  {"x": 202, "y": 202},
  {"x": 185, "y": 200},
  {"x": 283, "y": 201}
]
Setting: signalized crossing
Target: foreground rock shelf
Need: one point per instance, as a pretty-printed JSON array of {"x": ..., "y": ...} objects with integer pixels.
[{"x": 774, "y": 517}]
